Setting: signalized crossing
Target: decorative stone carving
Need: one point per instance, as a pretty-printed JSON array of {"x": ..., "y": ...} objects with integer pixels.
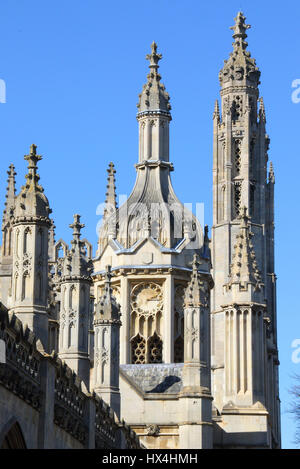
[
  {"x": 146, "y": 299},
  {"x": 153, "y": 430}
]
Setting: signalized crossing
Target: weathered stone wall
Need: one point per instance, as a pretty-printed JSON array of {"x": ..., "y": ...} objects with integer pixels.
[{"x": 48, "y": 401}]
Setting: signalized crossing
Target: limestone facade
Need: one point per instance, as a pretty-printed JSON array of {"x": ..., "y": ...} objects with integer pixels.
[{"x": 174, "y": 331}]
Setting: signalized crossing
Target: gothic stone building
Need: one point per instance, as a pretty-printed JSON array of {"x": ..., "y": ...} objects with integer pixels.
[{"x": 164, "y": 328}]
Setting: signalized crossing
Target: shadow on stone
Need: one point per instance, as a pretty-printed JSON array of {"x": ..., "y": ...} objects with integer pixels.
[{"x": 166, "y": 384}]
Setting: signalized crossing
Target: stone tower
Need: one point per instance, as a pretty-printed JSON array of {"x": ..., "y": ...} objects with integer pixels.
[
  {"x": 244, "y": 338},
  {"x": 31, "y": 223},
  {"x": 7, "y": 238},
  {"x": 150, "y": 240},
  {"x": 75, "y": 304},
  {"x": 107, "y": 347}
]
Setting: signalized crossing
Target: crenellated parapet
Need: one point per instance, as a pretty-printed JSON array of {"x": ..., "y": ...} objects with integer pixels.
[{"x": 58, "y": 397}]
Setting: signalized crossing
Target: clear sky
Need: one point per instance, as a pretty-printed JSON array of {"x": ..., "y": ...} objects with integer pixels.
[{"x": 73, "y": 70}]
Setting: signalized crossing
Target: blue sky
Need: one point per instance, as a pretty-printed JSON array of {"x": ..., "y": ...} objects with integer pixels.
[{"x": 73, "y": 71}]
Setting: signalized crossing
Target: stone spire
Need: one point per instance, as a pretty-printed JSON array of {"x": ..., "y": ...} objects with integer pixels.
[
  {"x": 244, "y": 269},
  {"x": 110, "y": 201},
  {"x": 262, "y": 112},
  {"x": 240, "y": 66},
  {"x": 192, "y": 291},
  {"x": 107, "y": 308},
  {"x": 107, "y": 346},
  {"x": 216, "y": 114},
  {"x": 32, "y": 200},
  {"x": 10, "y": 195},
  {"x": 31, "y": 225},
  {"x": 75, "y": 304},
  {"x": 77, "y": 263},
  {"x": 154, "y": 96}
]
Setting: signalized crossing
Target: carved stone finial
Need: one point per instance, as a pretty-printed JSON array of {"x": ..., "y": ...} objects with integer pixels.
[
  {"x": 154, "y": 58},
  {"x": 77, "y": 226},
  {"x": 32, "y": 200},
  {"x": 154, "y": 96},
  {"x": 32, "y": 158},
  {"x": 240, "y": 27}
]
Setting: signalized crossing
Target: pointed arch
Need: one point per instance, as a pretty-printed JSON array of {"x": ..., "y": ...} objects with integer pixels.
[
  {"x": 26, "y": 238},
  {"x": 25, "y": 285},
  {"x": 11, "y": 436},
  {"x": 72, "y": 297},
  {"x": 40, "y": 242}
]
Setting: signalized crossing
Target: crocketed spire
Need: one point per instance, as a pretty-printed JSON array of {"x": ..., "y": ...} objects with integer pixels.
[
  {"x": 110, "y": 201},
  {"x": 107, "y": 308},
  {"x": 193, "y": 289},
  {"x": 262, "y": 112},
  {"x": 10, "y": 195},
  {"x": 77, "y": 263},
  {"x": 244, "y": 269},
  {"x": 216, "y": 114},
  {"x": 154, "y": 96},
  {"x": 240, "y": 66},
  {"x": 32, "y": 201}
]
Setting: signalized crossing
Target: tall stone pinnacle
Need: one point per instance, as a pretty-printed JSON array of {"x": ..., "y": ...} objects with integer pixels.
[
  {"x": 262, "y": 112},
  {"x": 10, "y": 195},
  {"x": 77, "y": 262},
  {"x": 154, "y": 96},
  {"x": 216, "y": 114},
  {"x": 107, "y": 308},
  {"x": 244, "y": 268},
  {"x": 271, "y": 173},
  {"x": 110, "y": 201},
  {"x": 192, "y": 291}
]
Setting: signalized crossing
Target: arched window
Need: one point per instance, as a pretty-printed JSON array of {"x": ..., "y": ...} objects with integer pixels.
[
  {"x": 14, "y": 438},
  {"x": 179, "y": 324},
  {"x": 154, "y": 349},
  {"x": 138, "y": 349},
  {"x": 146, "y": 321},
  {"x": 25, "y": 285},
  {"x": 40, "y": 242},
  {"x": 26, "y": 240}
]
